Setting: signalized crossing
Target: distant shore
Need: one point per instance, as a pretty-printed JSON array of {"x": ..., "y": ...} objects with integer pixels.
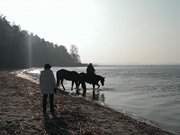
[{"x": 21, "y": 113}]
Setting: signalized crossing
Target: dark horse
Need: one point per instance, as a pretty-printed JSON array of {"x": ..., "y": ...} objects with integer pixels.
[
  {"x": 79, "y": 79},
  {"x": 91, "y": 79},
  {"x": 67, "y": 75}
]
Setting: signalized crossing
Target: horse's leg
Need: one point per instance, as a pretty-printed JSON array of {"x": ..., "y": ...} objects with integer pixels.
[
  {"x": 72, "y": 85},
  {"x": 77, "y": 87},
  {"x": 98, "y": 86},
  {"x": 62, "y": 84},
  {"x": 93, "y": 91},
  {"x": 57, "y": 83},
  {"x": 84, "y": 88},
  {"x": 78, "y": 84},
  {"x": 58, "y": 79}
]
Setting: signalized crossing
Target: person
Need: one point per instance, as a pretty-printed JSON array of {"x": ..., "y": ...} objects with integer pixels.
[
  {"x": 47, "y": 86},
  {"x": 90, "y": 69}
]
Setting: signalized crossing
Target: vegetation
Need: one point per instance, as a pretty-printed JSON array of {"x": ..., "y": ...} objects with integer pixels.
[
  {"x": 74, "y": 54},
  {"x": 21, "y": 49}
]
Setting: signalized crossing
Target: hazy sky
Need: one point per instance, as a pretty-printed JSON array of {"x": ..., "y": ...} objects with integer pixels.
[{"x": 105, "y": 31}]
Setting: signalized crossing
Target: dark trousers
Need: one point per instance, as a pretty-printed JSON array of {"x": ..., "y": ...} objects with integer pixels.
[{"x": 51, "y": 102}]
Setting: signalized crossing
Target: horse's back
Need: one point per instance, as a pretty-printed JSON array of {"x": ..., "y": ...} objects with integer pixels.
[
  {"x": 68, "y": 75},
  {"x": 99, "y": 77},
  {"x": 61, "y": 73},
  {"x": 94, "y": 79}
]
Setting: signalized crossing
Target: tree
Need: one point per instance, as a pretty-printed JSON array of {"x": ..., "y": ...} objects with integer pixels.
[
  {"x": 74, "y": 54},
  {"x": 22, "y": 49}
]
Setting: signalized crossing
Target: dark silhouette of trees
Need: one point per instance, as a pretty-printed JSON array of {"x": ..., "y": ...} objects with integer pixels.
[
  {"x": 74, "y": 54},
  {"x": 21, "y": 49}
]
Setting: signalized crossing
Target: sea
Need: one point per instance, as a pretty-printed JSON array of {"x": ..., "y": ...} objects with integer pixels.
[{"x": 147, "y": 92}]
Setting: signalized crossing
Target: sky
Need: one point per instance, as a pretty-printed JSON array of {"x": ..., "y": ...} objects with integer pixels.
[{"x": 105, "y": 31}]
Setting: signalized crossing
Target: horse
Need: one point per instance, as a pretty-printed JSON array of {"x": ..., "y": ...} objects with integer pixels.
[
  {"x": 67, "y": 75},
  {"x": 91, "y": 79},
  {"x": 79, "y": 78}
]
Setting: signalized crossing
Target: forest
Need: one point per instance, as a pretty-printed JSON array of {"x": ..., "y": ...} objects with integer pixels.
[{"x": 22, "y": 49}]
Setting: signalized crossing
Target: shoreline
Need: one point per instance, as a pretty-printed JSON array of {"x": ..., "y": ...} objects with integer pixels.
[
  {"x": 33, "y": 77},
  {"x": 89, "y": 117}
]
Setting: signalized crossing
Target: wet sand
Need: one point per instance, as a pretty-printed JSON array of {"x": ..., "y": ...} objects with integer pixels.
[{"x": 21, "y": 113}]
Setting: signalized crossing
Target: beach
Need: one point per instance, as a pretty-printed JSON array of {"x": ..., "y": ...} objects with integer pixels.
[{"x": 21, "y": 113}]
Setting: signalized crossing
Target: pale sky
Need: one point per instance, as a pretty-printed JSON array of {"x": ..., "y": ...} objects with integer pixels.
[{"x": 105, "y": 31}]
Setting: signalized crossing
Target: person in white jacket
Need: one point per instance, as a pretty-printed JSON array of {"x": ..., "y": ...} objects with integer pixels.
[{"x": 47, "y": 86}]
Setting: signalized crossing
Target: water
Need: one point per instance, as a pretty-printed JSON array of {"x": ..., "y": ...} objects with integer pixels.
[{"x": 150, "y": 92}]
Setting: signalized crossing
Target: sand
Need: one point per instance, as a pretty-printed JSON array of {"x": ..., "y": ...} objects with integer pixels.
[{"x": 21, "y": 113}]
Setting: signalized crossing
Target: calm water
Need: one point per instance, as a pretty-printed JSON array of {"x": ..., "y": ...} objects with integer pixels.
[{"x": 150, "y": 92}]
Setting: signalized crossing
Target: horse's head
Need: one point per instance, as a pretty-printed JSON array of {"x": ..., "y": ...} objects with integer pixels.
[{"x": 102, "y": 81}]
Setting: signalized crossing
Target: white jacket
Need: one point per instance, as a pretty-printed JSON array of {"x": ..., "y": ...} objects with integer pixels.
[{"x": 47, "y": 82}]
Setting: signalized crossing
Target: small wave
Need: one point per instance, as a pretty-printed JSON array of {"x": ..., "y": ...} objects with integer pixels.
[{"x": 108, "y": 89}]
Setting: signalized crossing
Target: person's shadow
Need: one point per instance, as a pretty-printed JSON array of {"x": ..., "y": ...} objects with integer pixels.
[{"x": 55, "y": 126}]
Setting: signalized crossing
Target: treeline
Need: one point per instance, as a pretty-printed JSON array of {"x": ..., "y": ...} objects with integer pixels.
[{"x": 21, "y": 49}]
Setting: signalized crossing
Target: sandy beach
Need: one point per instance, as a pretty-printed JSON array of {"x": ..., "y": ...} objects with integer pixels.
[{"x": 21, "y": 113}]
